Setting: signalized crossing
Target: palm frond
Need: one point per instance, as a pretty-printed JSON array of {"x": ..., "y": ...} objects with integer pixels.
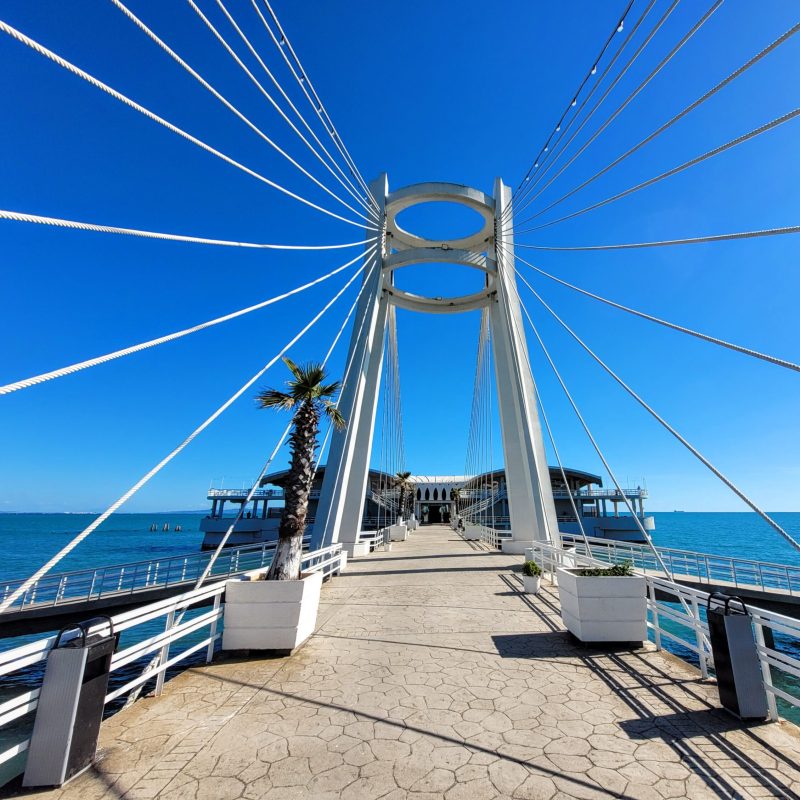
[
  {"x": 274, "y": 398},
  {"x": 293, "y": 368},
  {"x": 328, "y": 389},
  {"x": 334, "y": 415}
]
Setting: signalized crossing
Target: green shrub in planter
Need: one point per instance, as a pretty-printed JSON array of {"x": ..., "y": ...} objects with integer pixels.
[
  {"x": 531, "y": 569},
  {"x": 531, "y": 577},
  {"x": 621, "y": 570}
]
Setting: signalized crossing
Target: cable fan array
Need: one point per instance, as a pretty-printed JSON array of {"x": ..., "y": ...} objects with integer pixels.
[
  {"x": 391, "y": 450},
  {"x": 476, "y": 501},
  {"x": 531, "y": 210},
  {"x": 331, "y": 170}
]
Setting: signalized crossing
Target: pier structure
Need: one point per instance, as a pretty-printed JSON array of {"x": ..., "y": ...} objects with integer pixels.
[
  {"x": 432, "y": 675},
  {"x": 430, "y": 672}
]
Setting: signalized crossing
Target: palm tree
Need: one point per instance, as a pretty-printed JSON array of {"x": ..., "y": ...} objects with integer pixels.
[
  {"x": 309, "y": 397},
  {"x": 401, "y": 480}
]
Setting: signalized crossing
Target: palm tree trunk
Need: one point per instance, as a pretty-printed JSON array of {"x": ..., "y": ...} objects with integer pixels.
[{"x": 303, "y": 442}]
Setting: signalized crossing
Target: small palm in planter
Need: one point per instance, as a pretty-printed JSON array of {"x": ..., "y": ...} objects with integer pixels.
[
  {"x": 531, "y": 577},
  {"x": 604, "y": 604},
  {"x": 281, "y": 612}
]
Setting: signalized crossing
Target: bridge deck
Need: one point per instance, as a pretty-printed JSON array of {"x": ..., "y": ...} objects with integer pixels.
[{"x": 431, "y": 676}]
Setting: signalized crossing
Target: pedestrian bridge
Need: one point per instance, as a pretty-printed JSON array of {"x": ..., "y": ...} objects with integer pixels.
[
  {"x": 61, "y": 598},
  {"x": 431, "y": 675}
]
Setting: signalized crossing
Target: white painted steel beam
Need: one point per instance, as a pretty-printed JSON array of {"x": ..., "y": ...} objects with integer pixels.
[
  {"x": 343, "y": 492},
  {"x": 530, "y": 495}
]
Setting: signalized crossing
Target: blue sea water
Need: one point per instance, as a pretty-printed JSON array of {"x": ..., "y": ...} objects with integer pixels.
[
  {"x": 739, "y": 534},
  {"x": 28, "y": 540}
]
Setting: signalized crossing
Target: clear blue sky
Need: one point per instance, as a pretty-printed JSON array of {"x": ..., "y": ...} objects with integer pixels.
[{"x": 439, "y": 90}]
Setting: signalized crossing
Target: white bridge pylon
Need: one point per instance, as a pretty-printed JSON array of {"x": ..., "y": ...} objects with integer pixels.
[{"x": 490, "y": 249}]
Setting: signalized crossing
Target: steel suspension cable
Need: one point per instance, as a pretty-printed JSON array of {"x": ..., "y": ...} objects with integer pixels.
[
  {"x": 654, "y": 72},
  {"x": 93, "y": 362},
  {"x": 779, "y": 362},
  {"x": 693, "y": 450},
  {"x": 768, "y": 126},
  {"x": 246, "y": 120},
  {"x": 561, "y": 469},
  {"x": 350, "y": 362},
  {"x": 680, "y": 115},
  {"x": 18, "y": 216},
  {"x": 254, "y": 486},
  {"x": 8, "y": 601},
  {"x": 563, "y": 144},
  {"x": 593, "y": 441},
  {"x": 346, "y": 184},
  {"x": 531, "y": 180},
  {"x": 721, "y": 237},
  {"x": 75, "y": 70},
  {"x": 468, "y": 461},
  {"x": 616, "y": 29},
  {"x": 304, "y": 81}
]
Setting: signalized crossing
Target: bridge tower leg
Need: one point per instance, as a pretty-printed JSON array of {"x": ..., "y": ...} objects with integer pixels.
[
  {"x": 344, "y": 486},
  {"x": 530, "y": 495}
]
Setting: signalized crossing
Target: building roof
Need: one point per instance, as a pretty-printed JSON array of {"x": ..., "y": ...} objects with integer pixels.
[
  {"x": 277, "y": 478},
  {"x": 439, "y": 478}
]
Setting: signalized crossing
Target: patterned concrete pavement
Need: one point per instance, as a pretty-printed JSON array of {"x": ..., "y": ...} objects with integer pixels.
[{"x": 432, "y": 676}]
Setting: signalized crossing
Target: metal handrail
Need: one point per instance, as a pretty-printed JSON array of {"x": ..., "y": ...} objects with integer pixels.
[
  {"x": 608, "y": 494},
  {"x": 690, "y": 630},
  {"x": 326, "y": 560},
  {"x": 705, "y": 567},
  {"x": 121, "y": 579}
]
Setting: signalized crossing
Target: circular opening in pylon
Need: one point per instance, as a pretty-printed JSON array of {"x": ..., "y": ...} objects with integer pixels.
[
  {"x": 432, "y": 205},
  {"x": 439, "y": 280},
  {"x": 440, "y": 220}
]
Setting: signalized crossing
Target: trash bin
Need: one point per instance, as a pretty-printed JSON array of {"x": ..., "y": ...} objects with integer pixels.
[
  {"x": 736, "y": 662},
  {"x": 71, "y": 701}
]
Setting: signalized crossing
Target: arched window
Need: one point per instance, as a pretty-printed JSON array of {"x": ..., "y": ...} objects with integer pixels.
[
  {"x": 452, "y": 494},
  {"x": 419, "y": 494},
  {"x": 435, "y": 494},
  {"x": 427, "y": 494}
]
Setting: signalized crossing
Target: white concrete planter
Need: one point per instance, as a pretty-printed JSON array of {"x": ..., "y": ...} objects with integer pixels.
[
  {"x": 603, "y": 609},
  {"x": 472, "y": 532},
  {"x": 355, "y": 549},
  {"x": 270, "y": 615},
  {"x": 531, "y": 584},
  {"x": 398, "y": 533}
]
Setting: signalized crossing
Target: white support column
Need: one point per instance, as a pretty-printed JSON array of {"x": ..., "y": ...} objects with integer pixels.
[
  {"x": 530, "y": 495},
  {"x": 344, "y": 486}
]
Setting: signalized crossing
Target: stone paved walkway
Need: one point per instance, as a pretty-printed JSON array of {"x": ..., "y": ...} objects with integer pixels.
[{"x": 431, "y": 676}]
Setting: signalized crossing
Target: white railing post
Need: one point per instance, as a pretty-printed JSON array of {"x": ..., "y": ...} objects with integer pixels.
[
  {"x": 699, "y": 638},
  {"x": 213, "y": 631},
  {"x": 651, "y": 588},
  {"x": 766, "y": 672},
  {"x": 163, "y": 656}
]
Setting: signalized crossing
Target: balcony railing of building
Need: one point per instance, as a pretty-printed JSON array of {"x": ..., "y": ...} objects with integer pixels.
[{"x": 600, "y": 494}]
